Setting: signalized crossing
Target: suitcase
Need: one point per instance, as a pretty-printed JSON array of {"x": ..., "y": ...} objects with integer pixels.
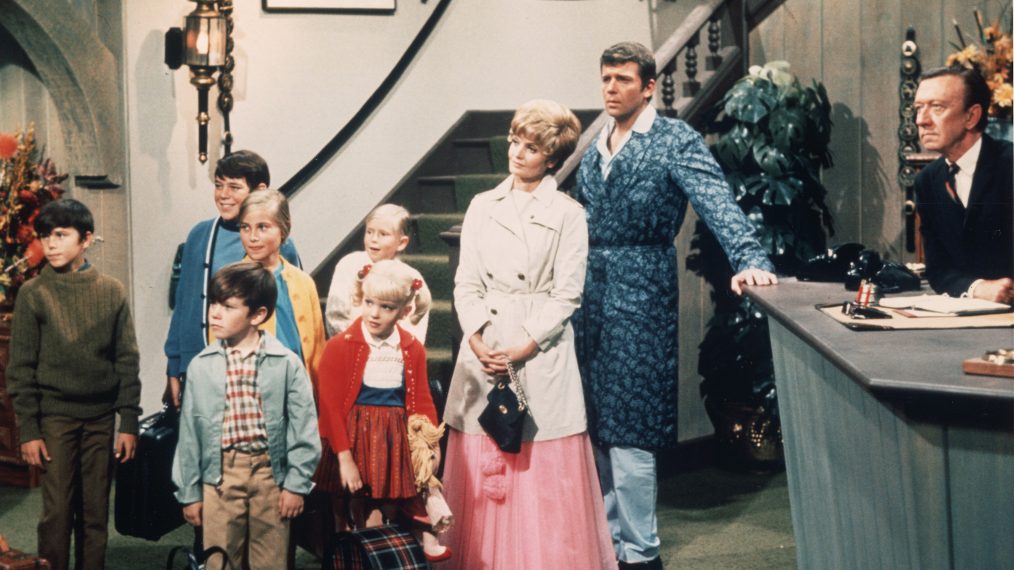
[
  {"x": 385, "y": 547},
  {"x": 145, "y": 505},
  {"x": 12, "y": 559}
]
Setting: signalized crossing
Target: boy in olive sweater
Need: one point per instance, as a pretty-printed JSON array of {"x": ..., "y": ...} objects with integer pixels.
[{"x": 73, "y": 366}]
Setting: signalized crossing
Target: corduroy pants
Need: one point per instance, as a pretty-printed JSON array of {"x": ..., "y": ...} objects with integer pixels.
[{"x": 75, "y": 490}]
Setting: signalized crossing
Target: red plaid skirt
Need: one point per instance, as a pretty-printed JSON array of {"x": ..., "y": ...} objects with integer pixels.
[{"x": 378, "y": 436}]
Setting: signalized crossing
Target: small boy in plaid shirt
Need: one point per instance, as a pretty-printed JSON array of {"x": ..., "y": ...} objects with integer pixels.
[{"x": 248, "y": 442}]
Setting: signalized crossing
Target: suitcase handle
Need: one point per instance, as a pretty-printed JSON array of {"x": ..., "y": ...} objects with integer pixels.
[{"x": 192, "y": 563}]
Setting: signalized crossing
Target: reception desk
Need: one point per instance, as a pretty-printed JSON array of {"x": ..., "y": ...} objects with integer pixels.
[{"x": 895, "y": 457}]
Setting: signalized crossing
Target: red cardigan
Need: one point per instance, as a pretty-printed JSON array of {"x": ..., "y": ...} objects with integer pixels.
[{"x": 340, "y": 377}]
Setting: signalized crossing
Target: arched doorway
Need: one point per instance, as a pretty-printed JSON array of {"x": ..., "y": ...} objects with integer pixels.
[{"x": 65, "y": 62}]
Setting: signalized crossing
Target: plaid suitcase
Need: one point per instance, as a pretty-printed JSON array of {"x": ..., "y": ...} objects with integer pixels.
[
  {"x": 145, "y": 505},
  {"x": 379, "y": 548}
]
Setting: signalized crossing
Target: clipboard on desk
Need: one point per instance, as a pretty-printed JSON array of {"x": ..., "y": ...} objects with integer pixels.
[{"x": 896, "y": 319}]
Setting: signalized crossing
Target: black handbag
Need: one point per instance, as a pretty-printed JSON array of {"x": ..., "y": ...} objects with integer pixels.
[
  {"x": 503, "y": 418},
  {"x": 145, "y": 505}
]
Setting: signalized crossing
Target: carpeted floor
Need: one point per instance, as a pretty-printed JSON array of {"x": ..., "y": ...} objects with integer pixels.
[{"x": 708, "y": 519}]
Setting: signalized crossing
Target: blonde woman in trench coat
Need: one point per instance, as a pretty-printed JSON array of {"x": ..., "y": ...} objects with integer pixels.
[{"x": 524, "y": 246}]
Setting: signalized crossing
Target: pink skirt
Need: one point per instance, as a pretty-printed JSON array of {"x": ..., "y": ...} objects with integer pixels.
[{"x": 541, "y": 508}]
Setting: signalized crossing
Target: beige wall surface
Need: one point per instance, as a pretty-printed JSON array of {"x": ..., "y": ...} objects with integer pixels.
[{"x": 854, "y": 48}]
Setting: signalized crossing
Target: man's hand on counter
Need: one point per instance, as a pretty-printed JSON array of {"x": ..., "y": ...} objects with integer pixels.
[{"x": 752, "y": 277}]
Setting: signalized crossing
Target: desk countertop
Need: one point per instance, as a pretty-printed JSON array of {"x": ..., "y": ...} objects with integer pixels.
[{"x": 927, "y": 361}]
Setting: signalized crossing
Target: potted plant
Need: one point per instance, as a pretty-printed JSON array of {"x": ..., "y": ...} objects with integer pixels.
[{"x": 772, "y": 141}]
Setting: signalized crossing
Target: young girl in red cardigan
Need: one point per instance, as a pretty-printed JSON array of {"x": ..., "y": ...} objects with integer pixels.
[{"x": 372, "y": 377}]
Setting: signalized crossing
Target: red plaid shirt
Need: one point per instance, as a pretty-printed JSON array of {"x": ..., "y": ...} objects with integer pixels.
[{"x": 243, "y": 425}]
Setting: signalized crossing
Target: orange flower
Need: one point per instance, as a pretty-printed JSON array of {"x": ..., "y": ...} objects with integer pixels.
[
  {"x": 993, "y": 32},
  {"x": 1003, "y": 96},
  {"x": 8, "y": 146},
  {"x": 34, "y": 253}
]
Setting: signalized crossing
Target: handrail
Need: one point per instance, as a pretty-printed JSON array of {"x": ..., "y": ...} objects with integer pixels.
[
  {"x": 317, "y": 163},
  {"x": 687, "y": 33}
]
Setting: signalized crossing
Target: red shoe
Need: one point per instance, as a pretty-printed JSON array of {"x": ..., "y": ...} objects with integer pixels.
[{"x": 445, "y": 555}]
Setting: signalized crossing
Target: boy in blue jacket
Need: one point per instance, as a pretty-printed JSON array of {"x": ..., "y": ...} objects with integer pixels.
[{"x": 248, "y": 442}]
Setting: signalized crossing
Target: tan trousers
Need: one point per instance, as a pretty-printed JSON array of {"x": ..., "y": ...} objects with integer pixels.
[
  {"x": 75, "y": 490},
  {"x": 241, "y": 515}
]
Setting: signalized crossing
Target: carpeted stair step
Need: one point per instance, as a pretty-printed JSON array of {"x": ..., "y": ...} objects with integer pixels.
[
  {"x": 435, "y": 271},
  {"x": 466, "y": 187},
  {"x": 481, "y": 155},
  {"x": 426, "y": 229},
  {"x": 442, "y": 327},
  {"x": 452, "y": 193},
  {"x": 498, "y": 154},
  {"x": 472, "y": 156}
]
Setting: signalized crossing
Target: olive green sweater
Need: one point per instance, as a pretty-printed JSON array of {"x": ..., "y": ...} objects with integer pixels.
[{"x": 73, "y": 351}]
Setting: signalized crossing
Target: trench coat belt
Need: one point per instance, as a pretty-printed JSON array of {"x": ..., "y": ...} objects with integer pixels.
[{"x": 493, "y": 293}]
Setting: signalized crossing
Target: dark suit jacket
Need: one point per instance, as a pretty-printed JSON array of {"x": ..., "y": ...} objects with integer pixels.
[{"x": 965, "y": 244}]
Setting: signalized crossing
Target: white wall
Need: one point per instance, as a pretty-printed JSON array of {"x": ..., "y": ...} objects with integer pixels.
[{"x": 301, "y": 77}]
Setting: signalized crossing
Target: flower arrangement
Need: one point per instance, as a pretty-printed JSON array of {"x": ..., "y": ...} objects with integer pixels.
[
  {"x": 27, "y": 183},
  {"x": 993, "y": 58}
]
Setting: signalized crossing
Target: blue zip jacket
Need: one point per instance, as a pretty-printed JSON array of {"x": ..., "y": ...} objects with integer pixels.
[{"x": 289, "y": 414}]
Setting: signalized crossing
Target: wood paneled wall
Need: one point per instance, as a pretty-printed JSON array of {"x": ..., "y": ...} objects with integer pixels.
[{"x": 853, "y": 47}]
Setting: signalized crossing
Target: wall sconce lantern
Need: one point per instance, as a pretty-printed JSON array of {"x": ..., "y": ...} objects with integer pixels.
[{"x": 205, "y": 45}]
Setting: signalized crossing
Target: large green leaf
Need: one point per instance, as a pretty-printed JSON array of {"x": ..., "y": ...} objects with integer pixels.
[
  {"x": 788, "y": 129},
  {"x": 734, "y": 146},
  {"x": 770, "y": 158},
  {"x": 783, "y": 191},
  {"x": 750, "y": 102}
]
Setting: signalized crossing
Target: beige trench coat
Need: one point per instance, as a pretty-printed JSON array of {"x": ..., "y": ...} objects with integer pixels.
[{"x": 521, "y": 278}]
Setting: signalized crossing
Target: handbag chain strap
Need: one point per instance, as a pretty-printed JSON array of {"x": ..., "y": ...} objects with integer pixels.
[{"x": 522, "y": 398}]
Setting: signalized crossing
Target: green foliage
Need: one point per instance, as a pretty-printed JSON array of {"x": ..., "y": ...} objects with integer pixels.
[{"x": 773, "y": 138}]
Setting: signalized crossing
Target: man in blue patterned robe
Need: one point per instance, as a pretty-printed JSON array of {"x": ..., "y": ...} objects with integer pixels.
[{"x": 635, "y": 183}]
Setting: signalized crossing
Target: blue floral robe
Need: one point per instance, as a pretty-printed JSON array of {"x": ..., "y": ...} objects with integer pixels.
[{"x": 626, "y": 329}]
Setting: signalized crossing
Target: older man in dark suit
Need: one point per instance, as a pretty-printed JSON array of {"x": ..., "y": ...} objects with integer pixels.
[{"x": 964, "y": 197}]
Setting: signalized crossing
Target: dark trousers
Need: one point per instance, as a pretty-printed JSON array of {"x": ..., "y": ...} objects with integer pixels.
[{"x": 75, "y": 490}]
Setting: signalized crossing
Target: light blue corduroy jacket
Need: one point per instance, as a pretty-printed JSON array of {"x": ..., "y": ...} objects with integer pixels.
[{"x": 289, "y": 414}]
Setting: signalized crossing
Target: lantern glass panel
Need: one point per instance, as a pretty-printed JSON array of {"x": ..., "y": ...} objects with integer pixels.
[{"x": 205, "y": 41}]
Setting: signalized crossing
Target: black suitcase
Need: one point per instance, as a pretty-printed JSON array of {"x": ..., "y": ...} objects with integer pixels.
[{"x": 145, "y": 504}]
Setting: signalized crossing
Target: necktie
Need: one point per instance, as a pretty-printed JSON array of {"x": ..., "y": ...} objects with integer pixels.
[{"x": 951, "y": 185}]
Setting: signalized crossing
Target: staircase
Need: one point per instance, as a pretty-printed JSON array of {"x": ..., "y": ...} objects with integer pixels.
[{"x": 469, "y": 159}]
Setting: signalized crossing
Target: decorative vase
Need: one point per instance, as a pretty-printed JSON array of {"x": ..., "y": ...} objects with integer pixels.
[{"x": 1000, "y": 128}]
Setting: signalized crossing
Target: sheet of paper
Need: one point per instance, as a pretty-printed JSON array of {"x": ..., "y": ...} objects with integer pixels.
[{"x": 943, "y": 304}]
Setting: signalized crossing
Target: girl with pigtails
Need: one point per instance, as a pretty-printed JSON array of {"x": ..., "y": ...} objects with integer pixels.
[{"x": 372, "y": 378}]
